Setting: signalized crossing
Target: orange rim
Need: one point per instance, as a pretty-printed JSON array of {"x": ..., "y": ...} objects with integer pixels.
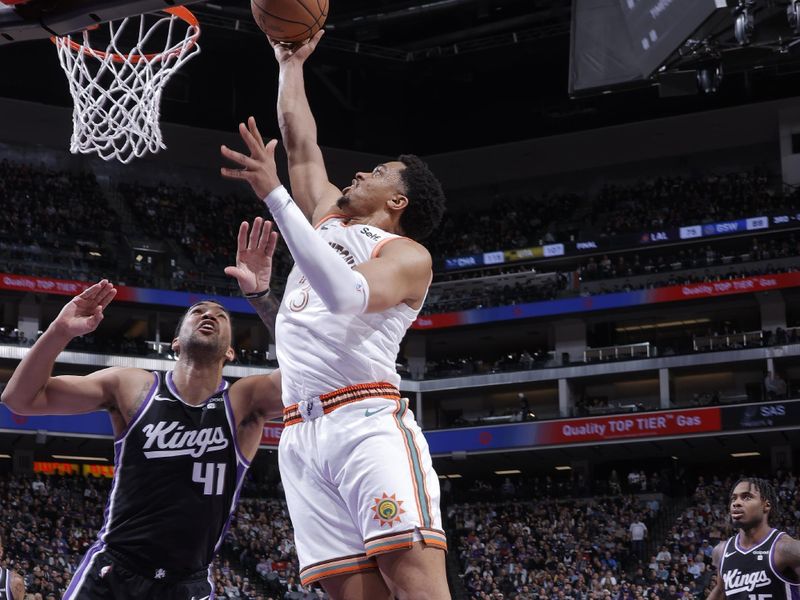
[{"x": 183, "y": 13}]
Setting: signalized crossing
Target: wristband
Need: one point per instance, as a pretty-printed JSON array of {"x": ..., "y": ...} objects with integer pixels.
[{"x": 255, "y": 295}]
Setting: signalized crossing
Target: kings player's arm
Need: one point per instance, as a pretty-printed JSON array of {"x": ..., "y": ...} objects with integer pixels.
[
  {"x": 718, "y": 591},
  {"x": 17, "y": 586},
  {"x": 256, "y": 399},
  {"x": 32, "y": 389},
  {"x": 787, "y": 558},
  {"x": 308, "y": 179}
]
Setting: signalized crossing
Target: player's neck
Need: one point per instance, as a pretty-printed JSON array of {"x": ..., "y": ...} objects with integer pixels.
[
  {"x": 753, "y": 536},
  {"x": 380, "y": 220},
  {"x": 196, "y": 382}
]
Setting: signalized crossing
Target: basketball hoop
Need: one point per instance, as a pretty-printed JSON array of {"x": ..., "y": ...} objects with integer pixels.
[{"x": 117, "y": 91}]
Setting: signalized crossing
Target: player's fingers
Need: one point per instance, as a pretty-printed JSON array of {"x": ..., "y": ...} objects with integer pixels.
[
  {"x": 107, "y": 297},
  {"x": 251, "y": 125},
  {"x": 270, "y": 148},
  {"x": 272, "y": 242},
  {"x": 237, "y": 174},
  {"x": 263, "y": 236},
  {"x": 241, "y": 239},
  {"x": 239, "y": 158},
  {"x": 255, "y": 233},
  {"x": 96, "y": 317},
  {"x": 255, "y": 148},
  {"x": 316, "y": 38},
  {"x": 93, "y": 291},
  {"x": 234, "y": 272}
]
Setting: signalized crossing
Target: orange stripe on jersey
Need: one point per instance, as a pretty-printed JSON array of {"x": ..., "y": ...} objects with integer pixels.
[
  {"x": 328, "y": 218},
  {"x": 382, "y": 243},
  {"x": 384, "y": 549},
  {"x": 322, "y": 574}
]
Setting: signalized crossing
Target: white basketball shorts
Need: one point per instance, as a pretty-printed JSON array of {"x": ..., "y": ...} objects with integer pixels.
[{"x": 359, "y": 480}]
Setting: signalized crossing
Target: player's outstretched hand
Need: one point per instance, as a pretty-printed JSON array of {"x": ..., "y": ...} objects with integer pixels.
[
  {"x": 259, "y": 168},
  {"x": 290, "y": 53},
  {"x": 83, "y": 313},
  {"x": 254, "y": 256}
]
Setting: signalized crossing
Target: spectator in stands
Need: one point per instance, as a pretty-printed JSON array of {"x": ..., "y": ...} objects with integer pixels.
[{"x": 638, "y": 533}]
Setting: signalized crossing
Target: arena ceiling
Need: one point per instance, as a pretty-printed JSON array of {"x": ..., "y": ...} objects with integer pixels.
[{"x": 399, "y": 75}]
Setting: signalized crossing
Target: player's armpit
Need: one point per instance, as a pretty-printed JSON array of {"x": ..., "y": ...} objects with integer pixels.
[
  {"x": 399, "y": 274},
  {"x": 257, "y": 397}
]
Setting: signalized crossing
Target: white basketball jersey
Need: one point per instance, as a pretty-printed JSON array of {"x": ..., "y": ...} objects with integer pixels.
[{"x": 319, "y": 352}]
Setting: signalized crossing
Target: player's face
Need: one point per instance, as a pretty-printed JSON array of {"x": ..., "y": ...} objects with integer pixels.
[
  {"x": 206, "y": 328},
  {"x": 369, "y": 191},
  {"x": 747, "y": 509}
]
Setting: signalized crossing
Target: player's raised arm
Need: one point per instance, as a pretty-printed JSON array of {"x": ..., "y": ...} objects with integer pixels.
[
  {"x": 253, "y": 270},
  {"x": 33, "y": 391},
  {"x": 307, "y": 175}
]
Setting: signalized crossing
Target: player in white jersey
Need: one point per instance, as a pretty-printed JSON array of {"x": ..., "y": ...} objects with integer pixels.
[{"x": 359, "y": 481}]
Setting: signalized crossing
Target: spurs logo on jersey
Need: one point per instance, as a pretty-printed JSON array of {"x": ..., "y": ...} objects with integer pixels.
[
  {"x": 174, "y": 439},
  {"x": 749, "y": 573}
]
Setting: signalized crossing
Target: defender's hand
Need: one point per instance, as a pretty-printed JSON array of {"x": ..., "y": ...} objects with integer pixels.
[
  {"x": 253, "y": 268},
  {"x": 83, "y": 313}
]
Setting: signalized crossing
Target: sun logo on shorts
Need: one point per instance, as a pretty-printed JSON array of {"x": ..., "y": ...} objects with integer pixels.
[{"x": 387, "y": 510}]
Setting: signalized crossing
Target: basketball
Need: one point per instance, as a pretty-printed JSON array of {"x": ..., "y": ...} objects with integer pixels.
[{"x": 289, "y": 21}]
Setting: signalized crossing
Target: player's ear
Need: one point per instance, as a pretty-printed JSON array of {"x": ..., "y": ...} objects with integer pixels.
[
  {"x": 398, "y": 202},
  {"x": 230, "y": 354},
  {"x": 176, "y": 346}
]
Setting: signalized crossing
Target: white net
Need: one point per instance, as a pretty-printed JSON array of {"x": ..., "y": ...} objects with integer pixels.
[{"x": 117, "y": 91}]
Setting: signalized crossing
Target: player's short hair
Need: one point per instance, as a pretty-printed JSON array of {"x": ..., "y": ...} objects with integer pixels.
[
  {"x": 766, "y": 490},
  {"x": 426, "y": 199},
  {"x": 188, "y": 310}
]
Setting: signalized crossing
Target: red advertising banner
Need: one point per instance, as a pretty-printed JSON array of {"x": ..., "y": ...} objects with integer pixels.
[
  {"x": 45, "y": 285},
  {"x": 759, "y": 283},
  {"x": 272, "y": 434},
  {"x": 676, "y": 422}
]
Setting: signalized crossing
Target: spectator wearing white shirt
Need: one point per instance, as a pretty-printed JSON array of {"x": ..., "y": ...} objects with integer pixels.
[{"x": 638, "y": 532}]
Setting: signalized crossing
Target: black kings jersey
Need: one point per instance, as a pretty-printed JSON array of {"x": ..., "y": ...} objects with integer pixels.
[
  {"x": 5, "y": 584},
  {"x": 178, "y": 473},
  {"x": 750, "y": 574}
]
